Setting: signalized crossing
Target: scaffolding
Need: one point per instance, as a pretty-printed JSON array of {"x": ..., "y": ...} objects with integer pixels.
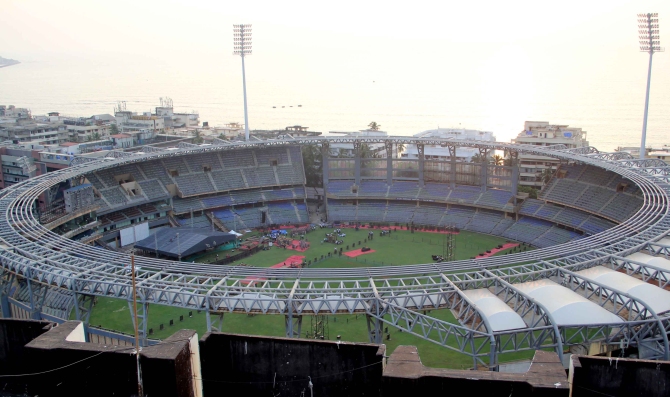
[{"x": 319, "y": 328}]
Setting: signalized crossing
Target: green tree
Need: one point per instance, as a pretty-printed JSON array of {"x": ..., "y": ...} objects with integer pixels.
[
  {"x": 198, "y": 139},
  {"x": 532, "y": 192},
  {"x": 497, "y": 159},
  {"x": 509, "y": 161},
  {"x": 478, "y": 158},
  {"x": 367, "y": 152},
  {"x": 113, "y": 129},
  {"x": 546, "y": 175},
  {"x": 400, "y": 147},
  {"x": 94, "y": 137},
  {"x": 374, "y": 126}
]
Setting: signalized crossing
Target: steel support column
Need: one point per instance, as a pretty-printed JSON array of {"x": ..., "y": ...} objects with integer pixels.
[
  {"x": 357, "y": 162},
  {"x": 293, "y": 325},
  {"x": 420, "y": 149},
  {"x": 214, "y": 325},
  {"x": 389, "y": 162},
  {"x": 37, "y": 295},
  {"x": 142, "y": 319},
  {"x": 5, "y": 288},
  {"x": 452, "y": 166},
  {"x": 483, "y": 160},
  {"x": 82, "y": 307},
  {"x": 325, "y": 170},
  {"x": 374, "y": 329}
]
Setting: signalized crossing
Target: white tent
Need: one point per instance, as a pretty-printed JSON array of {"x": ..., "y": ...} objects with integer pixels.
[
  {"x": 656, "y": 298},
  {"x": 498, "y": 313},
  {"x": 566, "y": 306}
]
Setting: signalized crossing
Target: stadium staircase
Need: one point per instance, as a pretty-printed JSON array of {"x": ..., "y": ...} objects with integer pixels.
[
  {"x": 239, "y": 220},
  {"x": 269, "y": 220},
  {"x": 297, "y": 213},
  {"x": 274, "y": 170},
  {"x": 173, "y": 221},
  {"x": 217, "y": 223},
  {"x": 244, "y": 178},
  {"x": 209, "y": 175}
]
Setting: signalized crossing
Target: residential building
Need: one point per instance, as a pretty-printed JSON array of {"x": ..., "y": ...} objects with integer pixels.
[
  {"x": 660, "y": 154},
  {"x": 16, "y": 168},
  {"x": 541, "y": 133},
  {"x": 38, "y": 133},
  {"x": 14, "y": 112},
  {"x": 83, "y": 129},
  {"x": 230, "y": 130},
  {"x": 122, "y": 141},
  {"x": 438, "y": 152},
  {"x": 347, "y": 149},
  {"x": 86, "y": 147}
]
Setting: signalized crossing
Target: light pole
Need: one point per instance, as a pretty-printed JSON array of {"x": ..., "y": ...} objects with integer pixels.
[
  {"x": 242, "y": 47},
  {"x": 649, "y": 42}
]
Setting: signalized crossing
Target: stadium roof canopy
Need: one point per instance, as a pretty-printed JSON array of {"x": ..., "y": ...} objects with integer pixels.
[
  {"x": 656, "y": 298},
  {"x": 566, "y": 306},
  {"x": 175, "y": 242},
  {"x": 659, "y": 262},
  {"x": 498, "y": 313}
]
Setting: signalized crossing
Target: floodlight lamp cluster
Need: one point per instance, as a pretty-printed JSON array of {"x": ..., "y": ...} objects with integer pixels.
[
  {"x": 649, "y": 33},
  {"x": 242, "y": 40}
]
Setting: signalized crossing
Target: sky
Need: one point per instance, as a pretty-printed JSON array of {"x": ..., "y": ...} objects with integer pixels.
[
  {"x": 499, "y": 52},
  {"x": 351, "y": 29}
]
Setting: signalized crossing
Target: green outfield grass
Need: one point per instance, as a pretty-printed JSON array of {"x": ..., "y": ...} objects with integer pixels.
[{"x": 399, "y": 248}]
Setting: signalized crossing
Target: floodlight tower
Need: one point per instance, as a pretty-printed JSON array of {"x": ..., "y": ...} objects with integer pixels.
[
  {"x": 242, "y": 47},
  {"x": 649, "y": 42}
]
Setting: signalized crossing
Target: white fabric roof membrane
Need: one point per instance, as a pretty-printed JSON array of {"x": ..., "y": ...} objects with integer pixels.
[
  {"x": 498, "y": 313},
  {"x": 656, "y": 298},
  {"x": 657, "y": 261},
  {"x": 252, "y": 301},
  {"x": 334, "y": 303},
  {"x": 566, "y": 306},
  {"x": 664, "y": 241},
  {"x": 417, "y": 299}
]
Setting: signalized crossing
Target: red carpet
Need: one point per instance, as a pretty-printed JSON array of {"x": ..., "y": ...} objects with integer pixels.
[
  {"x": 291, "y": 260},
  {"x": 295, "y": 259},
  {"x": 358, "y": 252},
  {"x": 396, "y": 228},
  {"x": 496, "y": 250},
  {"x": 290, "y": 226}
]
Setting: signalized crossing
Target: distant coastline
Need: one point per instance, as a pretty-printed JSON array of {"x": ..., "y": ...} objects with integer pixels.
[{"x": 4, "y": 62}]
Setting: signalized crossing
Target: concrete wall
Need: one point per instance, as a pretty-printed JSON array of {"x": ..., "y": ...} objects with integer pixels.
[
  {"x": 243, "y": 365},
  {"x": 599, "y": 376},
  {"x": 405, "y": 376},
  {"x": 14, "y": 335},
  {"x": 86, "y": 369}
]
